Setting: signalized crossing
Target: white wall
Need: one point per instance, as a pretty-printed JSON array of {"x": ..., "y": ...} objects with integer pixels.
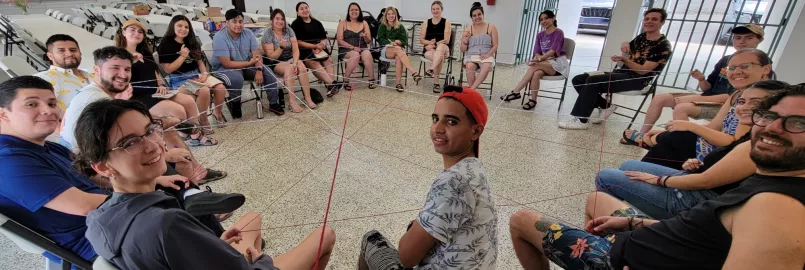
[
  {"x": 622, "y": 27},
  {"x": 567, "y": 17},
  {"x": 790, "y": 56}
]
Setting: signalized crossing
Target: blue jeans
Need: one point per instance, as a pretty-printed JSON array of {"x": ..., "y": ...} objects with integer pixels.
[
  {"x": 176, "y": 80},
  {"x": 234, "y": 81},
  {"x": 656, "y": 201}
]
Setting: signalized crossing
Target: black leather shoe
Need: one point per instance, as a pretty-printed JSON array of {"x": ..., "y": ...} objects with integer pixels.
[{"x": 208, "y": 203}]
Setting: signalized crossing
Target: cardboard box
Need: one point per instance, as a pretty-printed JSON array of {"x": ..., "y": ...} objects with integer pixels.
[
  {"x": 141, "y": 9},
  {"x": 214, "y": 12}
]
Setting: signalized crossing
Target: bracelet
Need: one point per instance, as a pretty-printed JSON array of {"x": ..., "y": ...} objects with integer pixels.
[
  {"x": 659, "y": 178},
  {"x": 640, "y": 223},
  {"x": 665, "y": 180}
]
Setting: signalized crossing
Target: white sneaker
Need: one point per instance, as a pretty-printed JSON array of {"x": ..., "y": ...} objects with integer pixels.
[
  {"x": 573, "y": 123},
  {"x": 603, "y": 114}
]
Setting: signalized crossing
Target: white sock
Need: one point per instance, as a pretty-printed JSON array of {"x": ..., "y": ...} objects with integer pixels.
[{"x": 191, "y": 192}]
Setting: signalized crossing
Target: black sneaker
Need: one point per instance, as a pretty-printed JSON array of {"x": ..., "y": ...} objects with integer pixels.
[{"x": 209, "y": 203}]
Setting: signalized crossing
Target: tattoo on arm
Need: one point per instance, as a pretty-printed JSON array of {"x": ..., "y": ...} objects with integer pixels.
[{"x": 544, "y": 223}]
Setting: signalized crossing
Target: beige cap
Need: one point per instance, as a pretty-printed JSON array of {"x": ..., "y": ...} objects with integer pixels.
[
  {"x": 135, "y": 23},
  {"x": 749, "y": 28}
]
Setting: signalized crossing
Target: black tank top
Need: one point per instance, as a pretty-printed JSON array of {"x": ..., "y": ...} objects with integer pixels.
[
  {"x": 435, "y": 31},
  {"x": 695, "y": 239}
]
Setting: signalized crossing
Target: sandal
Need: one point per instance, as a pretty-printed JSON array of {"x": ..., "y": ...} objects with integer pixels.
[
  {"x": 400, "y": 88},
  {"x": 333, "y": 89},
  {"x": 348, "y": 85},
  {"x": 633, "y": 140},
  {"x": 416, "y": 77},
  {"x": 429, "y": 73},
  {"x": 202, "y": 140},
  {"x": 212, "y": 175},
  {"x": 208, "y": 130},
  {"x": 223, "y": 217},
  {"x": 219, "y": 123},
  {"x": 437, "y": 88},
  {"x": 510, "y": 96},
  {"x": 530, "y": 104},
  {"x": 372, "y": 83}
]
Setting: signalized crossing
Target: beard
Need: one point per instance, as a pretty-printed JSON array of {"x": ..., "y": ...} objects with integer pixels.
[
  {"x": 63, "y": 64},
  {"x": 111, "y": 86},
  {"x": 792, "y": 159}
]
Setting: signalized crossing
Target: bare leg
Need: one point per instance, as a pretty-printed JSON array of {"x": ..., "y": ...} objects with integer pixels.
[
  {"x": 319, "y": 72},
  {"x": 600, "y": 204},
  {"x": 190, "y": 108},
  {"x": 442, "y": 51},
  {"x": 368, "y": 63},
  {"x": 470, "y": 69},
  {"x": 393, "y": 53},
  {"x": 288, "y": 77},
  {"x": 655, "y": 110},
  {"x": 524, "y": 227},
  {"x": 303, "y": 256},
  {"x": 219, "y": 97},
  {"x": 250, "y": 225},
  {"x": 202, "y": 102},
  {"x": 485, "y": 68},
  {"x": 686, "y": 110},
  {"x": 352, "y": 59},
  {"x": 535, "y": 83},
  {"x": 528, "y": 77},
  {"x": 304, "y": 80}
]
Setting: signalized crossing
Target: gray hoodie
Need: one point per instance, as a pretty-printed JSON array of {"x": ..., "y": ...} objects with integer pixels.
[{"x": 151, "y": 231}]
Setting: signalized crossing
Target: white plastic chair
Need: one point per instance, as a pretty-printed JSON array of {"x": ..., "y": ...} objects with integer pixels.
[
  {"x": 175, "y": 13},
  {"x": 191, "y": 4},
  {"x": 49, "y": 11},
  {"x": 67, "y": 18},
  {"x": 109, "y": 33},
  {"x": 15, "y": 66},
  {"x": 159, "y": 30},
  {"x": 99, "y": 29},
  {"x": 32, "y": 242}
]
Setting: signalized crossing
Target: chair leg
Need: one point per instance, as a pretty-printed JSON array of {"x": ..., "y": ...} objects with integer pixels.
[
  {"x": 562, "y": 98},
  {"x": 637, "y": 112},
  {"x": 419, "y": 71}
]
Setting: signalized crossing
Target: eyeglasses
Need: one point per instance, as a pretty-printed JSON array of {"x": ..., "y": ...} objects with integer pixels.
[
  {"x": 743, "y": 66},
  {"x": 791, "y": 124},
  {"x": 135, "y": 145}
]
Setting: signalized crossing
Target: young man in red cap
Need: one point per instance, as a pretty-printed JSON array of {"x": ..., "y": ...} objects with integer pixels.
[{"x": 457, "y": 228}]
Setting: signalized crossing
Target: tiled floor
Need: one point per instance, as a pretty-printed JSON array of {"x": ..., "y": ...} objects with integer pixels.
[{"x": 284, "y": 165}]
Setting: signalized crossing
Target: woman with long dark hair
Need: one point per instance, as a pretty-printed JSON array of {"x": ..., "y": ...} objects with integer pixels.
[
  {"x": 312, "y": 40},
  {"x": 146, "y": 81},
  {"x": 354, "y": 37},
  {"x": 140, "y": 228},
  {"x": 181, "y": 56},
  {"x": 549, "y": 59},
  {"x": 282, "y": 50}
]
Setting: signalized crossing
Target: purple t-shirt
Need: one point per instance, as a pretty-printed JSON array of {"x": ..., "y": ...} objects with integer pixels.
[{"x": 553, "y": 41}]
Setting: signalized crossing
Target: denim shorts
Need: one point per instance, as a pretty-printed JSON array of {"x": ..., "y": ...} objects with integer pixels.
[{"x": 177, "y": 80}]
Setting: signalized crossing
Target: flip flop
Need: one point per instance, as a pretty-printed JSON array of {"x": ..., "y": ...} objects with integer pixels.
[{"x": 632, "y": 140}]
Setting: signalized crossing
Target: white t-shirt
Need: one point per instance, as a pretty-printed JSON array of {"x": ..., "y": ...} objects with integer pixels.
[
  {"x": 85, "y": 96},
  {"x": 461, "y": 215}
]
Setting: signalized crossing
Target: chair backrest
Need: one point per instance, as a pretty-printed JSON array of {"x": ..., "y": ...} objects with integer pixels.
[
  {"x": 109, "y": 18},
  {"x": 67, "y": 18},
  {"x": 198, "y": 13},
  {"x": 175, "y": 13},
  {"x": 99, "y": 29},
  {"x": 203, "y": 36},
  {"x": 48, "y": 12},
  {"x": 59, "y": 16},
  {"x": 109, "y": 33},
  {"x": 30, "y": 241},
  {"x": 16, "y": 66},
  {"x": 159, "y": 29},
  {"x": 80, "y": 21},
  {"x": 207, "y": 50},
  {"x": 191, "y": 4}
]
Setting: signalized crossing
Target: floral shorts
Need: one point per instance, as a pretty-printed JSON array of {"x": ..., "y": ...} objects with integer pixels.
[{"x": 573, "y": 248}]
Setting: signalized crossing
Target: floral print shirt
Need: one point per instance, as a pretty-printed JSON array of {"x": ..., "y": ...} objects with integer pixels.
[{"x": 460, "y": 213}]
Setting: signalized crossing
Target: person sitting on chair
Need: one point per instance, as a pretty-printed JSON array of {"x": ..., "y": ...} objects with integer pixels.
[
  {"x": 41, "y": 190},
  {"x": 393, "y": 37},
  {"x": 236, "y": 58},
  {"x": 354, "y": 37},
  {"x": 549, "y": 59},
  {"x": 730, "y": 231},
  {"x": 715, "y": 88},
  {"x": 648, "y": 55},
  {"x": 435, "y": 38},
  {"x": 479, "y": 44},
  {"x": 457, "y": 227},
  {"x": 140, "y": 228},
  {"x": 312, "y": 41},
  {"x": 282, "y": 51},
  {"x": 65, "y": 75}
]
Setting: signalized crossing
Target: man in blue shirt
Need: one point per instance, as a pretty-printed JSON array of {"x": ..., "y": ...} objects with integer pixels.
[
  {"x": 237, "y": 57},
  {"x": 39, "y": 188}
]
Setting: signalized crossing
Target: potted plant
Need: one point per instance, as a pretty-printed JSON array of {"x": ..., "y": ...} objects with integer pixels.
[{"x": 21, "y": 4}]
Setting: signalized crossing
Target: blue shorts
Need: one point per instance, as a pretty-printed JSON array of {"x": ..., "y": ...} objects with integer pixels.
[
  {"x": 177, "y": 80},
  {"x": 572, "y": 248}
]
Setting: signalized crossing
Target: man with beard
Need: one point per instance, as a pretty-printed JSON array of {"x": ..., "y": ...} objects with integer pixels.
[
  {"x": 755, "y": 226},
  {"x": 113, "y": 74},
  {"x": 64, "y": 74}
]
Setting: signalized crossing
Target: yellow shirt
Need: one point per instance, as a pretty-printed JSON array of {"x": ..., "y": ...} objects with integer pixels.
[{"x": 65, "y": 83}]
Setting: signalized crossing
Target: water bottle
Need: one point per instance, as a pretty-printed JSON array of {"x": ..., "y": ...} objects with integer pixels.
[
  {"x": 383, "y": 80},
  {"x": 210, "y": 25},
  {"x": 259, "y": 105}
]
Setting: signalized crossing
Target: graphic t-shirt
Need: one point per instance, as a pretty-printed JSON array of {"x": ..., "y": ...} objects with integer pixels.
[
  {"x": 460, "y": 213},
  {"x": 554, "y": 41},
  {"x": 719, "y": 84},
  {"x": 65, "y": 83},
  {"x": 642, "y": 50}
]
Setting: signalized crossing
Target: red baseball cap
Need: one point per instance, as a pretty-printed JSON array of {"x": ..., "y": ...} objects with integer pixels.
[{"x": 473, "y": 101}]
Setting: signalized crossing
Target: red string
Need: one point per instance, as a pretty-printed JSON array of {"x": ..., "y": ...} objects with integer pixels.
[
  {"x": 601, "y": 150},
  {"x": 332, "y": 184}
]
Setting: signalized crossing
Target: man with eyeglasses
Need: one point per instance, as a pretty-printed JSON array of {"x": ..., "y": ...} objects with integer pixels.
[
  {"x": 40, "y": 189},
  {"x": 757, "y": 225}
]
